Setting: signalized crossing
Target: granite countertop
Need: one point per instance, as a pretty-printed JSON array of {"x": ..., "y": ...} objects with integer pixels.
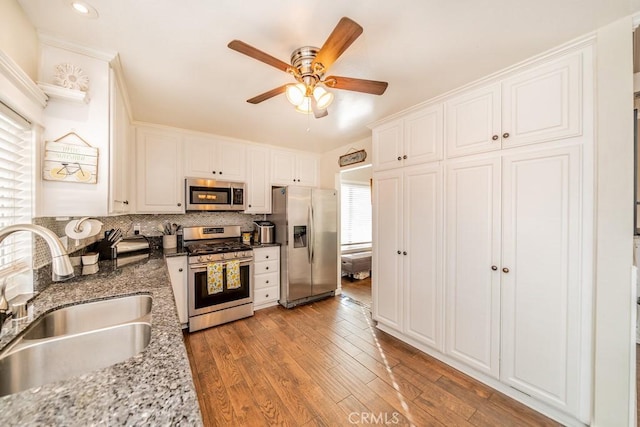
[{"x": 153, "y": 388}]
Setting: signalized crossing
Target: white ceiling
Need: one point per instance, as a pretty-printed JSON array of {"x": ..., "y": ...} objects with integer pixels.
[{"x": 179, "y": 71}]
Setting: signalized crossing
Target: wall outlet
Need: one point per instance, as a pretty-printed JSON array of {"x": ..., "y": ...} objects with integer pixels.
[{"x": 136, "y": 229}]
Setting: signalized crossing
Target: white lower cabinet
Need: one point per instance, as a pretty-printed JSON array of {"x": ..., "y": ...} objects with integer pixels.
[
  {"x": 177, "y": 267},
  {"x": 407, "y": 267},
  {"x": 266, "y": 277}
]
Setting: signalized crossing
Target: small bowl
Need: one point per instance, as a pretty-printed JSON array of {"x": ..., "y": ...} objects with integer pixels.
[{"x": 90, "y": 258}]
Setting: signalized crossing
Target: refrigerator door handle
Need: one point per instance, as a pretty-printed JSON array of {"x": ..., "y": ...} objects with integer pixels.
[
  {"x": 309, "y": 233},
  {"x": 312, "y": 239}
]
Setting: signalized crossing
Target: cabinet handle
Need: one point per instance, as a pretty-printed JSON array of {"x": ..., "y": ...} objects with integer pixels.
[
  {"x": 505, "y": 135},
  {"x": 180, "y": 270},
  {"x": 404, "y": 157},
  {"x": 494, "y": 268},
  {"x": 404, "y": 253},
  {"x": 179, "y": 204},
  {"x": 399, "y": 252},
  {"x": 495, "y": 137},
  {"x": 506, "y": 270},
  {"x": 124, "y": 202},
  {"x": 399, "y": 158}
]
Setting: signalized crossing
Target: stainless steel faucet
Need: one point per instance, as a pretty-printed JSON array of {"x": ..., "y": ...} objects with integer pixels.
[{"x": 61, "y": 268}]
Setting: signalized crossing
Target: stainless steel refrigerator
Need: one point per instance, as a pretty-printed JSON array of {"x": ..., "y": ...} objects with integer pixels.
[{"x": 306, "y": 227}]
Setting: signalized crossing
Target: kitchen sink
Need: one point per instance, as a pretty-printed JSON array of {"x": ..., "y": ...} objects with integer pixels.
[
  {"x": 89, "y": 316},
  {"x": 76, "y": 340}
]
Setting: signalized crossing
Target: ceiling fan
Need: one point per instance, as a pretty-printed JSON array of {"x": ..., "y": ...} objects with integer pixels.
[{"x": 308, "y": 66}]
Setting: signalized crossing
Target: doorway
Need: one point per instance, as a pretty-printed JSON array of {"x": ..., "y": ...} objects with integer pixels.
[{"x": 356, "y": 234}]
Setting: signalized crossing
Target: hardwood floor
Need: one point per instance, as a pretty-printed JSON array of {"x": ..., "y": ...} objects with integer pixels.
[
  {"x": 325, "y": 364},
  {"x": 358, "y": 290}
]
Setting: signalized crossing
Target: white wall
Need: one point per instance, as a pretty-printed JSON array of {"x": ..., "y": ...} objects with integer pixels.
[
  {"x": 329, "y": 166},
  {"x": 18, "y": 38},
  {"x": 614, "y": 219}
]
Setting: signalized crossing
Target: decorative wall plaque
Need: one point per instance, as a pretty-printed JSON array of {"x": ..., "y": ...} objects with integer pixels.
[
  {"x": 351, "y": 158},
  {"x": 70, "y": 162}
]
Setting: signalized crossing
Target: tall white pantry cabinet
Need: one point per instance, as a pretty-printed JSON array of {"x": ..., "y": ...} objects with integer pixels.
[{"x": 482, "y": 241}]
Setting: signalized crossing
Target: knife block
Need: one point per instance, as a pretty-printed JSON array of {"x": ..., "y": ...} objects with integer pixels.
[{"x": 105, "y": 250}]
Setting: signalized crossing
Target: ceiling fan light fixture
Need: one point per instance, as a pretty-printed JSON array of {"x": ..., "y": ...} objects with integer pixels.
[
  {"x": 296, "y": 93},
  {"x": 305, "y": 106},
  {"x": 323, "y": 97}
]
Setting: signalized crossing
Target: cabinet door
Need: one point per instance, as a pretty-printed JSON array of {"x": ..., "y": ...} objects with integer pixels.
[
  {"x": 177, "y": 267},
  {"x": 544, "y": 103},
  {"x": 306, "y": 170},
  {"x": 541, "y": 291},
  {"x": 160, "y": 179},
  {"x": 198, "y": 155},
  {"x": 230, "y": 161},
  {"x": 388, "y": 146},
  {"x": 424, "y": 135},
  {"x": 258, "y": 184},
  {"x": 473, "y": 122},
  {"x": 282, "y": 168},
  {"x": 387, "y": 248},
  {"x": 473, "y": 248},
  {"x": 422, "y": 269},
  {"x": 119, "y": 167}
]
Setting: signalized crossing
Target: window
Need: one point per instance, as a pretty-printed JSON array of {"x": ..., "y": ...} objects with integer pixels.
[
  {"x": 355, "y": 213},
  {"x": 15, "y": 191}
]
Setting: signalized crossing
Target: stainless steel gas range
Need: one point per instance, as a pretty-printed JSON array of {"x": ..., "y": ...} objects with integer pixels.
[{"x": 220, "y": 276}]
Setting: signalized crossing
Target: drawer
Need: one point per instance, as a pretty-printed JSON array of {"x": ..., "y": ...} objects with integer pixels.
[
  {"x": 266, "y": 280},
  {"x": 266, "y": 254},
  {"x": 270, "y": 294},
  {"x": 266, "y": 267}
]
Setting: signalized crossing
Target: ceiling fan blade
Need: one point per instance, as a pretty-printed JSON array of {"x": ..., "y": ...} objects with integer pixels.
[
  {"x": 267, "y": 95},
  {"x": 359, "y": 85},
  {"x": 254, "y": 53},
  {"x": 345, "y": 33}
]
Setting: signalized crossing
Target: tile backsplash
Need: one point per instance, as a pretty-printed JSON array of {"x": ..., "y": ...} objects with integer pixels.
[{"x": 148, "y": 227}]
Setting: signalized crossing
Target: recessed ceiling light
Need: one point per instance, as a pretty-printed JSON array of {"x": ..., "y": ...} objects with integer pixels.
[{"x": 83, "y": 8}]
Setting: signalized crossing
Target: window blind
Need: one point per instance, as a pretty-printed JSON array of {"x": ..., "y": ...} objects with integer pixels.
[
  {"x": 15, "y": 189},
  {"x": 355, "y": 213}
]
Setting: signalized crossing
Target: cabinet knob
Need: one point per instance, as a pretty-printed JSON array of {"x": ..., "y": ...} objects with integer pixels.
[
  {"x": 494, "y": 268},
  {"x": 220, "y": 173},
  {"x": 399, "y": 158},
  {"x": 179, "y": 204},
  {"x": 266, "y": 296},
  {"x": 495, "y": 137},
  {"x": 267, "y": 257},
  {"x": 266, "y": 281},
  {"x": 213, "y": 172},
  {"x": 506, "y": 270},
  {"x": 404, "y": 253},
  {"x": 404, "y": 157},
  {"x": 505, "y": 135},
  {"x": 180, "y": 270},
  {"x": 399, "y": 252},
  {"x": 126, "y": 202},
  {"x": 266, "y": 268}
]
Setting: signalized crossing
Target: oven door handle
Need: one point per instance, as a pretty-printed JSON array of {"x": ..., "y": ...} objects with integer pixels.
[{"x": 203, "y": 266}]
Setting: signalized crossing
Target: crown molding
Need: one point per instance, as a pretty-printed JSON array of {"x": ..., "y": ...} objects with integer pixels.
[
  {"x": 61, "y": 43},
  {"x": 116, "y": 66},
  {"x": 15, "y": 74}
]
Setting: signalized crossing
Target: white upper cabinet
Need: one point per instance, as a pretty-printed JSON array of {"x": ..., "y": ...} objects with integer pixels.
[
  {"x": 258, "y": 197},
  {"x": 544, "y": 103},
  {"x": 540, "y": 104},
  {"x": 413, "y": 139},
  {"x": 160, "y": 178},
  {"x": 291, "y": 168},
  {"x": 214, "y": 159},
  {"x": 473, "y": 121},
  {"x": 120, "y": 197}
]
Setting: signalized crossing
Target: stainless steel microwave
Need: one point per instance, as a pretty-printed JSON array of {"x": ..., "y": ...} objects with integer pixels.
[{"x": 213, "y": 195}]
